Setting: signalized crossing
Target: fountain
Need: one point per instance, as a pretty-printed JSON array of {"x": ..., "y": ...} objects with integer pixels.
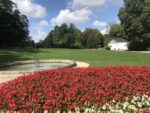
[
  {"x": 36, "y": 65},
  {"x": 12, "y": 70}
]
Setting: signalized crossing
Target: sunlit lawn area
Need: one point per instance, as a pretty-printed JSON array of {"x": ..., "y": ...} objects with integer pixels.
[{"x": 92, "y": 56}]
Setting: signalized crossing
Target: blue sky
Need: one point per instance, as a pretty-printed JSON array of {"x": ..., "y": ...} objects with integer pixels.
[{"x": 43, "y": 15}]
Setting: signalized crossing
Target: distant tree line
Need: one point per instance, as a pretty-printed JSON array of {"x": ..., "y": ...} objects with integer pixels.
[
  {"x": 13, "y": 26},
  {"x": 68, "y": 36},
  {"x": 134, "y": 27}
]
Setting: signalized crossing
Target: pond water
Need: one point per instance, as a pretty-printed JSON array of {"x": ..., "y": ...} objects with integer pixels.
[{"x": 31, "y": 67}]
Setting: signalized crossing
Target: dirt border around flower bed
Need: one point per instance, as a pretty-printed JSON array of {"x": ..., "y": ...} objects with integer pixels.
[
  {"x": 82, "y": 64},
  {"x": 9, "y": 75}
]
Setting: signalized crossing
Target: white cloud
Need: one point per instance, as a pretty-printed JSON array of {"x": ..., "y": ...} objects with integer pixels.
[
  {"x": 41, "y": 24},
  {"x": 30, "y": 8},
  {"x": 118, "y": 22},
  {"x": 100, "y": 24},
  {"x": 92, "y": 4},
  {"x": 105, "y": 31},
  {"x": 39, "y": 30},
  {"x": 39, "y": 35},
  {"x": 67, "y": 16}
]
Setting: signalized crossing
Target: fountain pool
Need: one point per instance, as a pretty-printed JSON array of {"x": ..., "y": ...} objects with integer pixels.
[{"x": 32, "y": 66}]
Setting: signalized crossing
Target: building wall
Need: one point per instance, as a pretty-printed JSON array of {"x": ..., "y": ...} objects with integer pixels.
[{"x": 119, "y": 46}]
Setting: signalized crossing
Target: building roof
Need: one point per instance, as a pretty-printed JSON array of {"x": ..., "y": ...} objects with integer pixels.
[{"x": 118, "y": 40}]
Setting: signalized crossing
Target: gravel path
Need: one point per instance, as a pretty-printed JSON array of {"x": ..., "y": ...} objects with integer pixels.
[
  {"x": 145, "y": 52},
  {"x": 82, "y": 64}
]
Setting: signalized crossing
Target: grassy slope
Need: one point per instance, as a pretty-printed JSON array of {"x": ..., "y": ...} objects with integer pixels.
[{"x": 93, "y": 57}]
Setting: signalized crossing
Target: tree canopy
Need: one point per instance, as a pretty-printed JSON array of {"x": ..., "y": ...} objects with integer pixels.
[
  {"x": 13, "y": 26},
  {"x": 68, "y": 36},
  {"x": 92, "y": 38},
  {"x": 64, "y": 36},
  {"x": 135, "y": 19},
  {"x": 117, "y": 31}
]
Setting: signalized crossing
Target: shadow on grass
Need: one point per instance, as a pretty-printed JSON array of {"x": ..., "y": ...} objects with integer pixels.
[
  {"x": 3, "y": 51},
  {"x": 24, "y": 50},
  {"x": 9, "y": 55},
  {"x": 10, "y": 58},
  {"x": 41, "y": 51},
  {"x": 7, "y": 51}
]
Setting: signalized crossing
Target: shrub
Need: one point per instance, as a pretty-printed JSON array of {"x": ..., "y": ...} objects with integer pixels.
[
  {"x": 107, "y": 48},
  {"x": 137, "y": 46},
  {"x": 68, "y": 89}
]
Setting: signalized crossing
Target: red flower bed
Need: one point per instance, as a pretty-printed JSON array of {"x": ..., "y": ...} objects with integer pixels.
[
  {"x": 145, "y": 111},
  {"x": 66, "y": 89}
]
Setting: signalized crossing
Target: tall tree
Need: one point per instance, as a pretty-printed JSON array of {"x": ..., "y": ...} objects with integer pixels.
[
  {"x": 107, "y": 39},
  {"x": 64, "y": 36},
  {"x": 92, "y": 38},
  {"x": 13, "y": 26},
  {"x": 78, "y": 38},
  {"x": 71, "y": 36},
  {"x": 48, "y": 41},
  {"x": 117, "y": 31},
  {"x": 57, "y": 42},
  {"x": 135, "y": 18}
]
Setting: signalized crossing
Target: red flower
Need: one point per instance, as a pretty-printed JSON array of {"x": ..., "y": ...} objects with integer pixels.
[{"x": 66, "y": 89}]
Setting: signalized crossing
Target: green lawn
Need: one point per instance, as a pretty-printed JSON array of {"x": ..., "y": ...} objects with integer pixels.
[{"x": 91, "y": 56}]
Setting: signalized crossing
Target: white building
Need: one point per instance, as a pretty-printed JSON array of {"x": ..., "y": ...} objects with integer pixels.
[{"x": 118, "y": 44}]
